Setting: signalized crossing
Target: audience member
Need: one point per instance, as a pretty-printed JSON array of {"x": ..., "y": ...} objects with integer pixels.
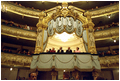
[
  {"x": 102, "y": 54},
  {"x": 10, "y": 51},
  {"x": 77, "y": 50},
  {"x": 49, "y": 50},
  {"x": 77, "y": 77},
  {"x": 25, "y": 27},
  {"x": 20, "y": 26},
  {"x": 114, "y": 53},
  {"x": 32, "y": 76},
  {"x": 11, "y": 23},
  {"x": 28, "y": 53},
  {"x": 66, "y": 76},
  {"x": 4, "y": 50},
  {"x": 6, "y": 22},
  {"x": 69, "y": 50},
  {"x": 74, "y": 51},
  {"x": 60, "y": 50},
  {"x": 17, "y": 25},
  {"x": 30, "y": 28},
  {"x": 108, "y": 53},
  {"x": 24, "y": 52},
  {"x": 19, "y": 52},
  {"x": 53, "y": 50}
]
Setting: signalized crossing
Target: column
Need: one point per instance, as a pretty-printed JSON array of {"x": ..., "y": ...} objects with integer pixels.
[
  {"x": 40, "y": 33},
  {"x": 90, "y": 34},
  {"x": 54, "y": 74},
  {"x": 75, "y": 74},
  {"x": 95, "y": 74}
]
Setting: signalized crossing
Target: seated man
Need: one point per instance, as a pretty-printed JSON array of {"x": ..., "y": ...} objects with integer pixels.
[
  {"x": 60, "y": 50},
  {"x": 32, "y": 76},
  {"x": 77, "y": 50},
  {"x": 69, "y": 50}
]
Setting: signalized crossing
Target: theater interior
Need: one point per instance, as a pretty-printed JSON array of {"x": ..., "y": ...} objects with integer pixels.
[{"x": 29, "y": 29}]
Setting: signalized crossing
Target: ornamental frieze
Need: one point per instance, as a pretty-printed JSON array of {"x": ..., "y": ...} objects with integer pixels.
[
  {"x": 109, "y": 33},
  {"x": 25, "y": 60},
  {"x": 15, "y": 59},
  {"x": 15, "y": 32},
  {"x": 35, "y": 14}
]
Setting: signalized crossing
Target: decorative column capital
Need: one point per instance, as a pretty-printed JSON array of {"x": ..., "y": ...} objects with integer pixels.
[
  {"x": 40, "y": 24},
  {"x": 91, "y": 24},
  {"x": 88, "y": 14},
  {"x": 85, "y": 25}
]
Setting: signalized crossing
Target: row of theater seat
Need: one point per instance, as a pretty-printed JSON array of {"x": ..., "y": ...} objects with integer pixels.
[
  {"x": 108, "y": 53},
  {"x": 12, "y": 24},
  {"x": 107, "y": 26}
]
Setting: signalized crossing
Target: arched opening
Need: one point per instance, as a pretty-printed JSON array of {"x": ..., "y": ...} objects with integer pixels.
[{"x": 65, "y": 40}]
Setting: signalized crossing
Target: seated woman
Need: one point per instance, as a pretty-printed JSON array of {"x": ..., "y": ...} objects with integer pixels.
[
  {"x": 53, "y": 50},
  {"x": 77, "y": 50}
]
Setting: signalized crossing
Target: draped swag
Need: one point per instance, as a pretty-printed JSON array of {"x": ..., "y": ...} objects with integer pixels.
[
  {"x": 69, "y": 25},
  {"x": 82, "y": 62}
]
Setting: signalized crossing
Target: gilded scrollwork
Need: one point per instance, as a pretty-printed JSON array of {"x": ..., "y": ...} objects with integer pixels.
[
  {"x": 23, "y": 60},
  {"x": 109, "y": 33},
  {"x": 6, "y": 30},
  {"x": 15, "y": 59},
  {"x": 109, "y": 61},
  {"x": 105, "y": 11},
  {"x": 32, "y": 13}
]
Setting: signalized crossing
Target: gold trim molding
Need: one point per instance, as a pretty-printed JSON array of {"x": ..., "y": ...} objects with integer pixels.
[
  {"x": 106, "y": 34},
  {"x": 15, "y": 59},
  {"x": 25, "y": 61},
  {"x": 28, "y": 35},
  {"x": 35, "y": 14},
  {"x": 18, "y": 33},
  {"x": 109, "y": 61}
]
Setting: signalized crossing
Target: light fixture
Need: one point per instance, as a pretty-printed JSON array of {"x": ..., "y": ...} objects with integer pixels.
[
  {"x": 114, "y": 39},
  {"x": 65, "y": 7},
  {"x": 63, "y": 70},
  {"x": 64, "y": 36},
  {"x": 61, "y": 1},
  {"x": 11, "y": 69},
  {"x": 108, "y": 16}
]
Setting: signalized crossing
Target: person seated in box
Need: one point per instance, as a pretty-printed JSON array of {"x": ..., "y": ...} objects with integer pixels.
[
  {"x": 77, "y": 50},
  {"x": 114, "y": 53},
  {"x": 53, "y": 50},
  {"x": 60, "y": 50},
  {"x": 69, "y": 50}
]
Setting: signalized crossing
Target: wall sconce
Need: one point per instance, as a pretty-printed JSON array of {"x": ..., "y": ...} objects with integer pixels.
[
  {"x": 114, "y": 39},
  {"x": 109, "y": 16},
  {"x": 11, "y": 69}
]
